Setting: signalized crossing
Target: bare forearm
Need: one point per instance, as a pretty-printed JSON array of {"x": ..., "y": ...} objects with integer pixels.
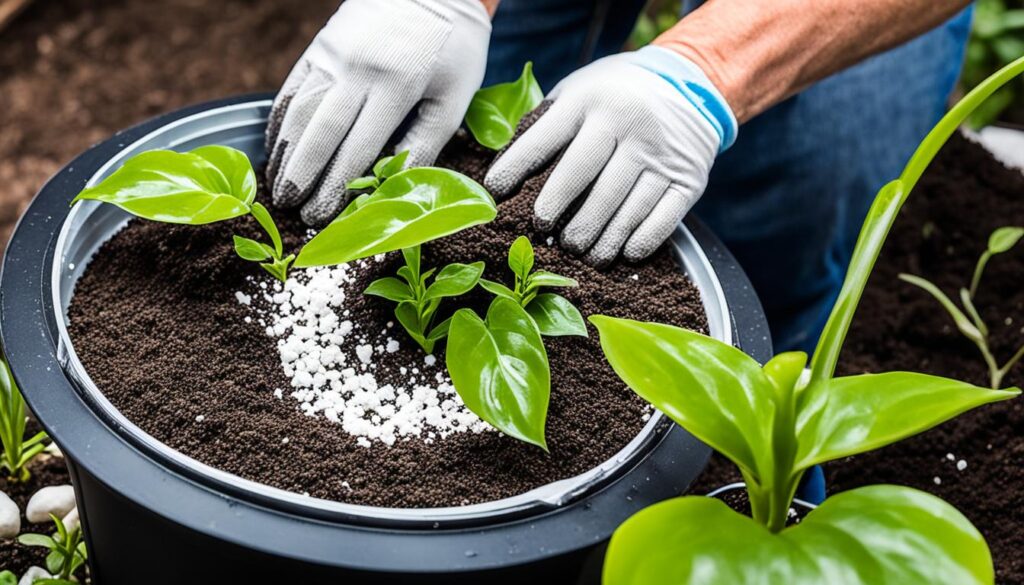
[{"x": 760, "y": 52}]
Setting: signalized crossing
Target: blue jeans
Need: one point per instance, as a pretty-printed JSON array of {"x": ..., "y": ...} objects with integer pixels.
[{"x": 789, "y": 197}]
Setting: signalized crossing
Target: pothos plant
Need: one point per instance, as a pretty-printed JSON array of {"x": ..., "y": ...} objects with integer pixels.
[
  {"x": 971, "y": 325},
  {"x": 17, "y": 451},
  {"x": 495, "y": 111},
  {"x": 778, "y": 420},
  {"x": 67, "y": 551},
  {"x": 206, "y": 185}
]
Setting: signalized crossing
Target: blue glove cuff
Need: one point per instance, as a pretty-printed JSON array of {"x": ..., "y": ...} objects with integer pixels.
[{"x": 691, "y": 81}]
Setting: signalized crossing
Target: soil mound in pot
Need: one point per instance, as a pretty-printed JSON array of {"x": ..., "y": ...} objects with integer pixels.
[
  {"x": 156, "y": 323},
  {"x": 939, "y": 234}
]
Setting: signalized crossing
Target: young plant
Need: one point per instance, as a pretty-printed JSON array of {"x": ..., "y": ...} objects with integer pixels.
[
  {"x": 67, "y": 550},
  {"x": 407, "y": 209},
  {"x": 418, "y": 302},
  {"x": 17, "y": 452},
  {"x": 971, "y": 324},
  {"x": 776, "y": 421},
  {"x": 382, "y": 170},
  {"x": 205, "y": 185},
  {"x": 495, "y": 111},
  {"x": 997, "y": 38},
  {"x": 500, "y": 369},
  {"x": 554, "y": 314}
]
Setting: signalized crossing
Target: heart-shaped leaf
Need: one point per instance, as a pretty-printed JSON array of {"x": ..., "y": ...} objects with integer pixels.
[
  {"x": 410, "y": 208},
  {"x": 845, "y": 416},
  {"x": 878, "y": 535},
  {"x": 500, "y": 369},
  {"x": 556, "y": 316},
  {"x": 711, "y": 389},
  {"x": 495, "y": 111},
  {"x": 454, "y": 280},
  {"x": 209, "y": 184}
]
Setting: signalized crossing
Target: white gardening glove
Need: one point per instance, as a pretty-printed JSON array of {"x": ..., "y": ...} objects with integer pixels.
[
  {"x": 372, "y": 63},
  {"x": 647, "y": 126}
]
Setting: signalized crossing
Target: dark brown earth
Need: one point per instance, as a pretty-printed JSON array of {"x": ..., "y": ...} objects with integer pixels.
[
  {"x": 939, "y": 235},
  {"x": 155, "y": 321},
  {"x": 46, "y": 470}
]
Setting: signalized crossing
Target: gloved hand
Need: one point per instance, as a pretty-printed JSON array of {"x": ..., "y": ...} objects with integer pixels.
[
  {"x": 647, "y": 126},
  {"x": 372, "y": 63}
]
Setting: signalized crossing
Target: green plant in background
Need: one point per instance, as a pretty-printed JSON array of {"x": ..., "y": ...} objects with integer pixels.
[
  {"x": 67, "y": 550},
  {"x": 410, "y": 208},
  {"x": 495, "y": 111},
  {"x": 500, "y": 369},
  {"x": 554, "y": 314},
  {"x": 384, "y": 168},
  {"x": 997, "y": 39},
  {"x": 17, "y": 452},
  {"x": 971, "y": 324},
  {"x": 657, "y": 17},
  {"x": 776, "y": 421},
  {"x": 418, "y": 302},
  {"x": 205, "y": 185}
]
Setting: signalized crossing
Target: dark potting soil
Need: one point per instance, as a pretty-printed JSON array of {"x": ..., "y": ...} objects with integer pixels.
[
  {"x": 941, "y": 231},
  {"x": 155, "y": 321},
  {"x": 46, "y": 470}
]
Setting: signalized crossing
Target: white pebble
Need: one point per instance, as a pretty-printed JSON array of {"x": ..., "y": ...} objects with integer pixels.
[
  {"x": 200, "y": 418},
  {"x": 961, "y": 465},
  {"x": 34, "y": 574},
  {"x": 937, "y": 480},
  {"x": 71, "y": 520},
  {"x": 57, "y": 500},
  {"x": 10, "y": 517}
]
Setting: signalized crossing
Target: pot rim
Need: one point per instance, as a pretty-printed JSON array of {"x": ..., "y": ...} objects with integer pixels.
[{"x": 224, "y": 120}]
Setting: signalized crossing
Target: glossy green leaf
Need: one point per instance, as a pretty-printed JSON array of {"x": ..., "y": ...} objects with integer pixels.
[
  {"x": 209, "y": 184},
  {"x": 440, "y": 330},
  {"x": 556, "y": 316},
  {"x": 496, "y": 288},
  {"x": 1004, "y": 238},
  {"x": 495, "y": 111},
  {"x": 389, "y": 288},
  {"x": 32, "y": 539},
  {"x": 262, "y": 216},
  {"x": 415, "y": 206},
  {"x": 55, "y": 561},
  {"x": 878, "y": 535},
  {"x": 713, "y": 390},
  {"x": 251, "y": 249},
  {"x": 390, "y": 165},
  {"x": 412, "y": 257},
  {"x": 845, "y": 416},
  {"x": 408, "y": 317},
  {"x": 520, "y": 257},
  {"x": 360, "y": 183},
  {"x": 454, "y": 280},
  {"x": 545, "y": 278},
  {"x": 500, "y": 369}
]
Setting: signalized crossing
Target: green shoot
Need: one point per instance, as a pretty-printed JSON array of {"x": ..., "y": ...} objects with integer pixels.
[
  {"x": 554, "y": 314},
  {"x": 206, "y": 185},
  {"x": 969, "y": 321},
  {"x": 382, "y": 170},
  {"x": 495, "y": 111},
  {"x": 67, "y": 549},
  {"x": 17, "y": 452},
  {"x": 418, "y": 302}
]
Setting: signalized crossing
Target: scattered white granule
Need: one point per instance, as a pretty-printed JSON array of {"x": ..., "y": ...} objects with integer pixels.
[
  {"x": 635, "y": 277},
  {"x": 950, "y": 456},
  {"x": 332, "y": 363},
  {"x": 961, "y": 465},
  {"x": 71, "y": 266},
  {"x": 243, "y": 298},
  {"x": 200, "y": 418},
  {"x": 248, "y": 319},
  {"x": 937, "y": 480},
  {"x": 345, "y": 485},
  {"x": 550, "y": 240},
  {"x": 284, "y": 441}
]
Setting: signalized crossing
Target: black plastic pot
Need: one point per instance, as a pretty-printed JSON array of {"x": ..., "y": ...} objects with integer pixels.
[{"x": 154, "y": 516}]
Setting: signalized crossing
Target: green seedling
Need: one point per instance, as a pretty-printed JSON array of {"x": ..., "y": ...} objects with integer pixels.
[
  {"x": 554, "y": 314},
  {"x": 500, "y": 369},
  {"x": 495, "y": 111},
  {"x": 997, "y": 39},
  {"x": 969, "y": 320},
  {"x": 776, "y": 421},
  {"x": 206, "y": 185},
  {"x": 382, "y": 170},
  {"x": 17, "y": 451},
  {"x": 407, "y": 209},
  {"x": 418, "y": 302},
  {"x": 67, "y": 549}
]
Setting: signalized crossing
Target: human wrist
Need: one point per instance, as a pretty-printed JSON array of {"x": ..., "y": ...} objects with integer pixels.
[
  {"x": 722, "y": 74},
  {"x": 694, "y": 85}
]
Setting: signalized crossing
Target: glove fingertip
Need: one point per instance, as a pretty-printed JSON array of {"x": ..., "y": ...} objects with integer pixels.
[{"x": 321, "y": 209}]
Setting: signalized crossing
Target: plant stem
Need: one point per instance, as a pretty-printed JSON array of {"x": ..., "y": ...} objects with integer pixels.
[
  {"x": 997, "y": 376},
  {"x": 978, "y": 269}
]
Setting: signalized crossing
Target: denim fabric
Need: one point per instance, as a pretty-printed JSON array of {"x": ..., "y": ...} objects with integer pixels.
[{"x": 789, "y": 197}]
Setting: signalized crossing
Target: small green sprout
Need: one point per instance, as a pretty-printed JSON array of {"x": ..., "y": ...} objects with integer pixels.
[
  {"x": 969, "y": 320},
  {"x": 382, "y": 170},
  {"x": 554, "y": 314},
  {"x": 67, "y": 549},
  {"x": 17, "y": 452},
  {"x": 495, "y": 111},
  {"x": 418, "y": 302},
  {"x": 205, "y": 185}
]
